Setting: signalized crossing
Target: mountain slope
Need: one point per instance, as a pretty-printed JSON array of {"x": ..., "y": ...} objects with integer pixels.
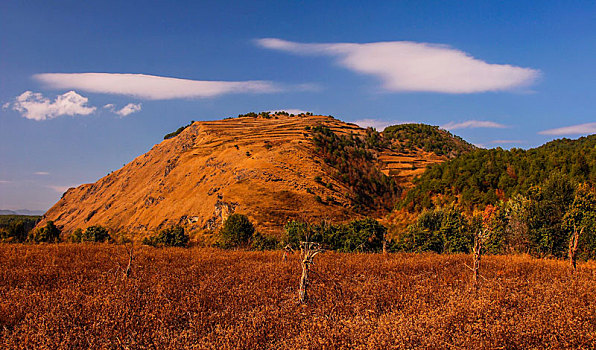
[
  {"x": 268, "y": 168},
  {"x": 484, "y": 176}
]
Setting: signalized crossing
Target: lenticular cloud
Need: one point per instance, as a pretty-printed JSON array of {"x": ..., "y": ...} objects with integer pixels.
[
  {"x": 150, "y": 87},
  {"x": 405, "y": 66}
]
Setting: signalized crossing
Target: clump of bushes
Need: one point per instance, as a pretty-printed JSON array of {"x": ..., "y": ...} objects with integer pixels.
[
  {"x": 364, "y": 235},
  {"x": 238, "y": 232},
  {"x": 95, "y": 233},
  {"x": 47, "y": 234},
  {"x": 438, "y": 230},
  {"x": 168, "y": 237},
  {"x": 178, "y": 131}
]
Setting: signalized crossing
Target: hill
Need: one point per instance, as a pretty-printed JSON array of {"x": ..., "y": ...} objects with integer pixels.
[
  {"x": 25, "y": 212},
  {"x": 271, "y": 167},
  {"x": 483, "y": 176}
]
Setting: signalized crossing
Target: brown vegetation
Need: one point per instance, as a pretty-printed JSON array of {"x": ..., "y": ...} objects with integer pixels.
[{"x": 74, "y": 296}]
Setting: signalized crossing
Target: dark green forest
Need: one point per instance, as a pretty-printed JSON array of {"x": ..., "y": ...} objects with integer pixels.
[
  {"x": 485, "y": 176},
  {"x": 528, "y": 201}
]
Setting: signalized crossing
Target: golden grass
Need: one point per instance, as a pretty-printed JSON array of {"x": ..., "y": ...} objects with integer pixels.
[{"x": 71, "y": 296}]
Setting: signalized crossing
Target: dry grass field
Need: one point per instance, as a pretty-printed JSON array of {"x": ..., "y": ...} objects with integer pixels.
[{"x": 73, "y": 296}]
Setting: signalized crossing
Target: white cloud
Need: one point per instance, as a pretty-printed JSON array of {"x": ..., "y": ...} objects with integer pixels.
[
  {"x": 376, "y": 123},
  {"x": 35, "y": 106},
  {"x": 124, "y": 111},
  {"x": 128, "y": 109},
  {"x": 581, "y": 129},
  {"x": 41, "y": 173},
  {"x": 410, "y": 66},
  {"x": 472, "y": 124},
  {"x": 150, "y": 86},
  {"x": 6, "y": 105},
  {"x": 5, "y": 182},
  {"x": 61, "y": 189}
]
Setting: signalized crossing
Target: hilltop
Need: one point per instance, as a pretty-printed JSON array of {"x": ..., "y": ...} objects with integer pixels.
[{"x": 272, "y": 168}]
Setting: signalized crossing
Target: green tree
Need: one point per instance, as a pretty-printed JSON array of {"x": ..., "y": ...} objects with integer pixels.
[
  {"x": 550, "y": 202},
  {"x": 423, "y": 235},
  {"x": 96, "y": 234},
  {"x": 169, "y": 237},
  {"x": 48, "y": 234},
  {"x": 237, "y": 231},
  {"x": 581, "y": 216},
  {"x": 362, "y": 235}
]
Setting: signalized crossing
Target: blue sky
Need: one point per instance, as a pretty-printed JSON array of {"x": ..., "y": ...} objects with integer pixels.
[{"x": 86, "y": 86}]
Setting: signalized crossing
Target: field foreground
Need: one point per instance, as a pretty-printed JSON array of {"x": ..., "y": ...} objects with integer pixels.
[{"x": 74, "y": 296}]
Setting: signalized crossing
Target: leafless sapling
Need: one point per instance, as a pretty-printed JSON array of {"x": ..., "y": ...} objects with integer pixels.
[
  {"x": 308, "y": 251},
  {"x": 573, "y": 241}
]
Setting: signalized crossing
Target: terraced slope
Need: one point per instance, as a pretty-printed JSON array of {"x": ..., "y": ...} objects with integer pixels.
[{"x": 264, "y": 168}]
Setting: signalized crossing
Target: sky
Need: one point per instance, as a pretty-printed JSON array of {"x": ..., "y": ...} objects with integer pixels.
[{"x": 87, "y": 86}]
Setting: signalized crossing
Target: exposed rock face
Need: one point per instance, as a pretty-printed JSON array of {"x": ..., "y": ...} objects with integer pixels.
[{"x": 264, "y": 168}]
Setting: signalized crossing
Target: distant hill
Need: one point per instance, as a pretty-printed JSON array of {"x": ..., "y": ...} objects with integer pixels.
[
  {"x": 483, "y": 176},
  {"x": 22, "y": 212},
  {"x": 271, "y": 167}
]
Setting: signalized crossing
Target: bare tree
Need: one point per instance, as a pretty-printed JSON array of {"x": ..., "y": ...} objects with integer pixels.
[
  {"x": 573, "y": 241},
  {"x": 128, "y": 270},
  {"x": 479, "y": 237},
  {"x": 308, "y": 251},
  {"x": 477, "y": 251}
]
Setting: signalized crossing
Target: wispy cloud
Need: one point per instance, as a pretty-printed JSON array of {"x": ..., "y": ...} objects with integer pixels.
[
  {"x": 472, "y": 124},
  {"x": 410, "y": 66},
  {"x": 124, "y": 111},
  {"x": 581, "y": 129},
  {"x": 60, "y": 189},
  {"x": 43, "y": 173},
  {"x": 5, "y": 182},
  {"x": 503, "y": 142},
  {"x": 376, "y": 123},
  {"x": 33, "y": 105},
  {"x": 151, "y": 87}
]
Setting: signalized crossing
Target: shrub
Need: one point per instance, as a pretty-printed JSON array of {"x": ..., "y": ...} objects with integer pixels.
[
  {"x": 365, "y": 235},
  {"x": 178, "y": 131},
  {"x": 168, "y": 237},
  {"x": 48, "y": 234},
  {"x": 294, "y": 233},
  {"x": 96, "y": 234},
  {"x": 262, "y": 242},
  {"x": 76, "y": 236},
  {"x": 237, "y": 231}
]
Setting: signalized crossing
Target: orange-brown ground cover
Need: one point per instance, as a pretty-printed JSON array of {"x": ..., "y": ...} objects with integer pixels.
[{"x": 70, "y": 296}]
